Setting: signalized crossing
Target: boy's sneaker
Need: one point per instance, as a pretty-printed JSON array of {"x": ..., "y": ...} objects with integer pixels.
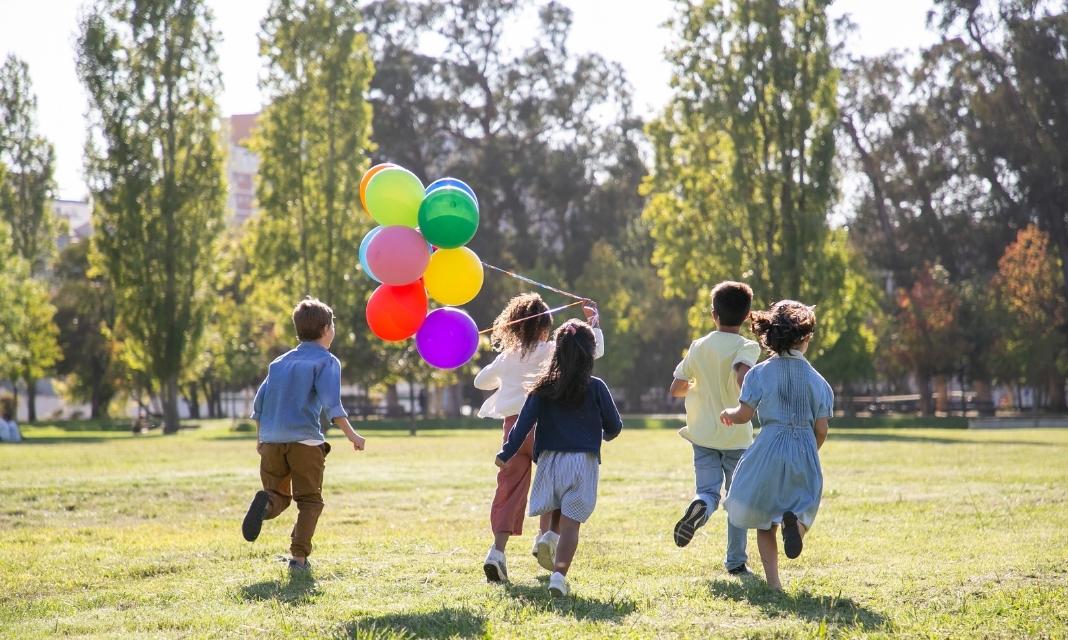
[
  {"x": 558, "y": 585},
  {"x": 250, "y": 528},
  {"x": 545, "y": 549},
  {"x": 297, "y": 567},
  {"x": 495, "y": 567},
  {"x": 740, "y": 571},
  {"x": 791, "y": 535},
  {"x": 691, "y": 521}
]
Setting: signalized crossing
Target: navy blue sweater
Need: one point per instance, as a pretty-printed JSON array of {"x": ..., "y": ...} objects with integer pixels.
[{"x": 563, "y": 428}]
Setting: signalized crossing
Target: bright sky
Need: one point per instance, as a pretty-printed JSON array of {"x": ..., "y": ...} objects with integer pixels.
[{"x": 42, "y": 33}]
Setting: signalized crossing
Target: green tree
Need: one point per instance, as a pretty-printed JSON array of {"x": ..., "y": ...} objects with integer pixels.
[
  {"x": 313, "y": 139},
  {"x": 29, "y": 157},
  {"x": 546, "y": 137},
  {"x": 743, "y": 179},
  {"x": 26, "y": 186},
  {"x": 154, "y": 167},
  {"x": 85, "y": 315}
]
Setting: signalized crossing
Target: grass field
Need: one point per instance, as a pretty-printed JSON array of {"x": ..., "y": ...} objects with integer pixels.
[{"x": 922, "y": 533}]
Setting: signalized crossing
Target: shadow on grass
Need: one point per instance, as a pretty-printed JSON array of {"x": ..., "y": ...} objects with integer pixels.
[
  {"x": 578, "y": 607},
  {"x": 890, "y": 437},
  {"x": 443, "y": 623},
  {"x": 804, "y": 605},
  {"x": 297, "y": 589},
  {"x": 38, "y": 440}
]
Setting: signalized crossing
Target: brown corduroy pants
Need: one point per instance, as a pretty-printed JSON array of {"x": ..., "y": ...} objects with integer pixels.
[{"x": 294, "y": 472}]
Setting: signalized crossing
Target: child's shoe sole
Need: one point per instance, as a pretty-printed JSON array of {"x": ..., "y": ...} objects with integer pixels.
[
  {"x": 545, "y": 555},
  {"x": 791, "y": 535},
  {"x": 556, "y": 593},
  {"x": 685, "y": 528},
  {"x": 250, "y": 527},
  {"x": 493, "y": 573}
]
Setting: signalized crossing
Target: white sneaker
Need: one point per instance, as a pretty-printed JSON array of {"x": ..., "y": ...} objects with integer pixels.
[
  {"x": 558, "y": 585},
  {"x": 545, "y": 550},
  {"x": 495, "y": 567}
]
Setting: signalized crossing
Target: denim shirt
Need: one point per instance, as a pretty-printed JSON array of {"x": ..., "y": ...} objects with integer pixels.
[{"x": 299, "y": 385}]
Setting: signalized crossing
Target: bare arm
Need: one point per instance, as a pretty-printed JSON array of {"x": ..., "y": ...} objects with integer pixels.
[
  {"x": 740, "y": 370},
  {"x": 820, "y": 429},
  {"x": 741, "y": 413},
  {"x": 679, "y": 388},
  {"x": 358, "y": 442}
]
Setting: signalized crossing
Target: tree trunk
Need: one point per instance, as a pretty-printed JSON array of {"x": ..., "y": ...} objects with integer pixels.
[
  {"x": 1056, "y": 393},
  {"x": 941, "y": 394},
  {"x": 31, "y": 401},
  {"x": 411, "y": 407},
  {"x": 984, "y": 398},
  {"x": 169, "y": 398},
  {"x": 926, "y": 401},
  {"x": 392, "y": 400},
  {"x": 193, "y": 401}
]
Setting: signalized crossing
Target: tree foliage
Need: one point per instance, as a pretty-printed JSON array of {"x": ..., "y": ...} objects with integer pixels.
[
  {"x": 744, "y": 179},
  {"x": 313, "y": 138},
  {"x": 29, "y": 158},
  {"x": 154, "y": 168}
]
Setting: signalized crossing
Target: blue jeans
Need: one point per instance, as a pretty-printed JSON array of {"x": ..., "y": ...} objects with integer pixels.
[{"x": 714, "y": 469}]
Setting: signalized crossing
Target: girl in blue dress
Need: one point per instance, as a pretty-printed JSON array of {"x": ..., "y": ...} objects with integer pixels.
[{"x": 778, "y": 481}]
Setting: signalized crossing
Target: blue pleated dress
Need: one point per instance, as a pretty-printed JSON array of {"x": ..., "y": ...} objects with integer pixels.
[{"x": 781, "y": 471}]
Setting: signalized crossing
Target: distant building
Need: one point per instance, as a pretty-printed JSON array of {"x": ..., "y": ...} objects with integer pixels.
[
  {"x": 241, "y": 167},
  {"x": 78, "y": 215}
]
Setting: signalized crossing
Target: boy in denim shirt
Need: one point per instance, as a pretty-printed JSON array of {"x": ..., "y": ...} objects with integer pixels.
[
  {"x": 710, "y": 378},
  {"x": 299, "y": 386}
]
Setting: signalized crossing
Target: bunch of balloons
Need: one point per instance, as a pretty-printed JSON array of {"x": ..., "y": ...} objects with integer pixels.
[{"x": 418, "y": 253}]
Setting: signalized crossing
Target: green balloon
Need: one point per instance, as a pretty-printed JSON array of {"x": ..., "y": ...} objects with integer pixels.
[
  {"x": 394, "y": 196},
  {"x": 448, "y": 217}
]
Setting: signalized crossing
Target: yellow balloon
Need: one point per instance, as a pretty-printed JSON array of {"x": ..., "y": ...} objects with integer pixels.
[{"x": 454, "y": 276}]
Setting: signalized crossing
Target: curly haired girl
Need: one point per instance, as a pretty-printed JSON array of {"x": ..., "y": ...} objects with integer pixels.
[
  {"x": 778, "y": 480},
  {"x": 521, "y": 333}
]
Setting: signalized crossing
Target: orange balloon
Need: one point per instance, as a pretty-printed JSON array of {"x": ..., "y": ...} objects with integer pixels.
[{"x": 367, "y": 178}]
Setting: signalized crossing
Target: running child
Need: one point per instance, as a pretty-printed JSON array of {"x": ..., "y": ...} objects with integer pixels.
[
  {"x": 521, "y": 334},
  {"x": 709, "y": 377},
  {"x": 778, "y": 481},
  {"x": 574, "y": 412}
]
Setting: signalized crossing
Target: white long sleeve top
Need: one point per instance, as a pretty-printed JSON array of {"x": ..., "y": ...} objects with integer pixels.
[{"x": 511, "y": 373}]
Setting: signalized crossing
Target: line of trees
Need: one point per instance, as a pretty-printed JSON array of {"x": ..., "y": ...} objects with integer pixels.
[{"x": 947, "y": 259}]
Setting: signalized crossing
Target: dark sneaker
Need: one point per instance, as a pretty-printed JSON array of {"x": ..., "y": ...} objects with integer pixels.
[
  {"x": 691, "y": 521},
  {"x": 741, "y": 571},
  {"x": 250, "y": 528},
  {"x": 298, "y": 567},
  {"x": 791, "y": 535}
]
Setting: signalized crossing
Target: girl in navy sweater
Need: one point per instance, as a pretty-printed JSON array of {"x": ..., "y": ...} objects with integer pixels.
[{"x": 573, "y": 412}]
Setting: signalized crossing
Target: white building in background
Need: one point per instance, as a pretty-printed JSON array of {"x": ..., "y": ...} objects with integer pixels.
[
  {"x": 78, "y": 216},
  {"x": 241, "y": 167}
]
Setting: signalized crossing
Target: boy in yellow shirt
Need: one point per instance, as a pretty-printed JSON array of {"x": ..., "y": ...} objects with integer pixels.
[{"x": 710, "y": 378}]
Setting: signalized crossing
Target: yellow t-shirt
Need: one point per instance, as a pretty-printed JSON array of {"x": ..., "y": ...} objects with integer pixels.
[{"x": 709, "y": 366}]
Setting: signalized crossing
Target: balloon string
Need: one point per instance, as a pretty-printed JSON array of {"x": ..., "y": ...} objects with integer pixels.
[
  {"x": 580, "y": 301},
  {"x": 534, "y": 282}
]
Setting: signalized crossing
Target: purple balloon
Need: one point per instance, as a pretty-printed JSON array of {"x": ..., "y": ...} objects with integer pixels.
[{"x": 447, "y": 339}]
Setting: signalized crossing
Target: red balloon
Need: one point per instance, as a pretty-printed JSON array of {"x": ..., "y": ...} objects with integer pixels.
[{"x": 395, "y": 313}]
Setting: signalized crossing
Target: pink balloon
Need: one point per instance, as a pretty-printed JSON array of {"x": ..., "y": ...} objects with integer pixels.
[{"x": 398, "y": 255}]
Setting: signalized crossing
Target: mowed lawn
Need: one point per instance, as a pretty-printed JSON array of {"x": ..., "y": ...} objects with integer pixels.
[{"x": 922, "y": 533}]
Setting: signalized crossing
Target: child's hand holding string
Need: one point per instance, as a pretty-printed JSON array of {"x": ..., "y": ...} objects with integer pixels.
[{"x": 589, "y": 308}]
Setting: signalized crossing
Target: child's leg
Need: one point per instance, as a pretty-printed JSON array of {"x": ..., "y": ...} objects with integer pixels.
[
  {"x": 769, "y": 556},
  {"x": 276, "y": 478},
  {"x": 545, "y": 523},
  {"x": 308, "y": 464},
  {"x": 565, "y": 550},
  {"x": 736, "y": 536},
  {"x": 510, "y": 500}
]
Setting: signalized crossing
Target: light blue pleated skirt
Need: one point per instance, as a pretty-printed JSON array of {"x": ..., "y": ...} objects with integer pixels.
[{"x": 779, "y": 472}]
